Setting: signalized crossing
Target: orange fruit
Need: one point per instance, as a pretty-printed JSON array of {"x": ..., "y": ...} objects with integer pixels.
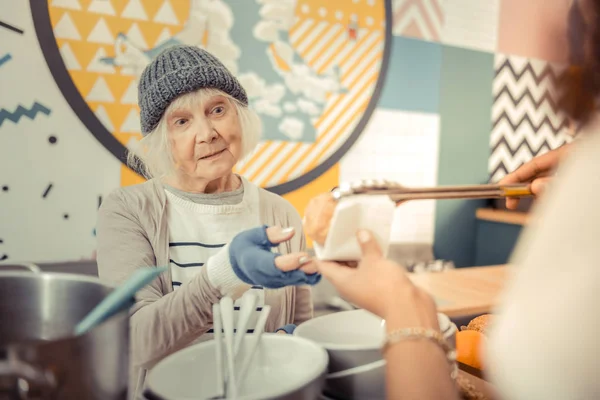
[{"x": 469, "y": 348}]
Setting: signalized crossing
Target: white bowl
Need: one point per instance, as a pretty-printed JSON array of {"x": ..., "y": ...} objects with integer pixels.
[
  {"x": 353, "y": 339},
  {"x": 283, "y": 367}
]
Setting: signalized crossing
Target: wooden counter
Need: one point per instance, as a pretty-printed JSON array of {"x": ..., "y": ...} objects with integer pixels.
[
  {"x": 464, "y": 291},
  {"x": 502, "y": 216}
]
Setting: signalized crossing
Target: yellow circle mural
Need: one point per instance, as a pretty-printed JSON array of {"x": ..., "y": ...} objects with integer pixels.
[{"x": 312, "y": 69}]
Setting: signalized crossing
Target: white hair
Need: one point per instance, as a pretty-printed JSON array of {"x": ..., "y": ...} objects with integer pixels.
[{"x": 154, "y": 159}]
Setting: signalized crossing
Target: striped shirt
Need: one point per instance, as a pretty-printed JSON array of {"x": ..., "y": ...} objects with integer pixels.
[{"x": 200, "y": 225}]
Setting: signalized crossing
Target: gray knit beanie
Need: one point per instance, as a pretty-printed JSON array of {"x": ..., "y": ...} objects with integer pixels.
[{"x": 179, "y": 70}]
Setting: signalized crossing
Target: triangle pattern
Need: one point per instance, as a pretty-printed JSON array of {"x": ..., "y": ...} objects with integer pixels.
[
  {"x": 96, "y": 65},
  {"x": 83, "y": 81},
  {"x": 101, "y": 33},
  {"x": 69, "y": 58},
  {"x": 118, "y": 85},
  {"x": 166, "y": 14},
  {"x": 127, "y": 71},
  {"x": 117, "y": 113},
  {"x": 413, "y": 30},
  {"x": 134, "y": 10},
  {"x": 104, "y": 118},
  {"x": 72, "y": 4},
  {"x": 84, "y": 22},
  {"x": 134, "y": 34},
  {"x": 132, "y": 122},
  {"x": 133, "y": 145},
  {"x": 101, "y": 7},
  {"x": 163, "y": 37},
  {"x": 66, "y": 29},
  {"x": 152, "y": 7},
  {"x": 182, "y": 10},
  {"x": 118, "y": 25},
  {"x": 131, "y": 94},
  {"x": 83, "y": 51},
  {"x": 119, "y": 6},
  {"x": 100, "y": 92},
  {"x": 150, "y": 31}
]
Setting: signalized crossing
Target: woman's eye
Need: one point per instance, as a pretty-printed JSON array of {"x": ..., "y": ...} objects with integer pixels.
[
  {"x": 218, "y": 110},
  {"x": 180, "y": 122}
]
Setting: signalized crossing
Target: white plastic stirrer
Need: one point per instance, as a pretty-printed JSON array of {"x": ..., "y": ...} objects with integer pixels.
[
  {"x": 227, "y": 315},
  {"x": 247, "y": 306},
  {"x": 254, "y": 342},
  {"x": 217, "y": 329}
]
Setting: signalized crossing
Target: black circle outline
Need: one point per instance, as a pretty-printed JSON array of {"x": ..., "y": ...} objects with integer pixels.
[{"x": 41, "y": 20}]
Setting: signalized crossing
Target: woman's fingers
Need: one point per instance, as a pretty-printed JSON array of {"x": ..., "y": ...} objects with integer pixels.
[
  {"x": 334, "y": 272},
  {"x": 293, "y": 261},
  {"x": 277, "y": 235},
  {"x": 368, "y": 244},
  {"x": 539, "y": 185},
  {"x": 538, "y": 167},
  {"x": 512, "y": 203},
  {"x": 537, "y": 188},
  {"x": 309, "y": 268}
]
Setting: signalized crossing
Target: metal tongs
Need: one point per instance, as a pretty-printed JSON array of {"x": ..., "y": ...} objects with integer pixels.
[{"x": 400, "y": 194}]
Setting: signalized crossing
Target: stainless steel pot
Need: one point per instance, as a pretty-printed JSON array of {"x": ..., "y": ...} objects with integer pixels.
[{"x": 40, "y": 357}]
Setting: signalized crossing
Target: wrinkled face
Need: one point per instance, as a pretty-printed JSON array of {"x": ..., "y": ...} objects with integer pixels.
[{"x": 205, "y": 136}]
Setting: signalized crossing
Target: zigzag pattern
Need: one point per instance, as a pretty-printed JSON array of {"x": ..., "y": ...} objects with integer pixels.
[
  {"x": 548, "y": 71},
  {"x": 21, "y": 112},
  {"x": 535, "y": 128},
  {"x": 525, "y": 117},
  {"x": 423, "y": 19},
  {"x": 514, "y": 138},
  {"x": 506, "y": 161},
  {"x": 546, "y": 97},
  {"x": 523, "y": 145},
  {"x": 504, "y": 109}
]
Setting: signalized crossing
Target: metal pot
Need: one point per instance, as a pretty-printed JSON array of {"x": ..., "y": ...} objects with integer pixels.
[{"x": 40, "y": 357}]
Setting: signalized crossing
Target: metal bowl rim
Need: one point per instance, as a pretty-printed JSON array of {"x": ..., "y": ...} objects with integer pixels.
[{"x": 61, "y": 276}]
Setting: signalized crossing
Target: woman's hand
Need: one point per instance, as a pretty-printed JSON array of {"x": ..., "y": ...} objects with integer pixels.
[
  {"x": 254, "y": 263},
  {"x": 382, "y": 287},
  {"x": 537, "y": 171}
]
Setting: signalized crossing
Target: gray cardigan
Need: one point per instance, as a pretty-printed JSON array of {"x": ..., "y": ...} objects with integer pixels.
[{"x": 132, "y": 232}]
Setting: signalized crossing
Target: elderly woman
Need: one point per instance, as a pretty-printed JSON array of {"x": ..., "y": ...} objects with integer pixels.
[{"x": 195, "y": 215}]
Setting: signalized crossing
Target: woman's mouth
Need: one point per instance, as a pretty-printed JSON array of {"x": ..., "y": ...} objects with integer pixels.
[{"x": 213, "y": 156}]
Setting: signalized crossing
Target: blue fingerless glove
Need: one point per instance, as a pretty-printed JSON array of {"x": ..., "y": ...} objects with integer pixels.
[
  {"x": 289, "y": 329},
  {"x": 254, "y": 263}
]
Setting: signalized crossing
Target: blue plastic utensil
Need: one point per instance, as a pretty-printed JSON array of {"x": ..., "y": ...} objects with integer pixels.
[{"x": 118, "y": 298}]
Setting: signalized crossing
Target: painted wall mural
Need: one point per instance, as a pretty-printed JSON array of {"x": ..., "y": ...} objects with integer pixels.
[{"x": 312, "y": 69}]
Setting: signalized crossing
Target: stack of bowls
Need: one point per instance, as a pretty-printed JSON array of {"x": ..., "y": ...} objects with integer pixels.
[
  {"x": 283, "y": 367},
  {"x": 353, "y": 339}
]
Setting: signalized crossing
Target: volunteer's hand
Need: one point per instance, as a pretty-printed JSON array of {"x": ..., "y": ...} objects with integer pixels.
[
  {"x": 538, "y": 171},
  {"x": 254, "y": 263},
  {"x": 381, "y": 287}
]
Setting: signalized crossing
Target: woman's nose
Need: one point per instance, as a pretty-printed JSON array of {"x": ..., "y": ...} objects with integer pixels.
[{"x": 205, "y": 132}]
